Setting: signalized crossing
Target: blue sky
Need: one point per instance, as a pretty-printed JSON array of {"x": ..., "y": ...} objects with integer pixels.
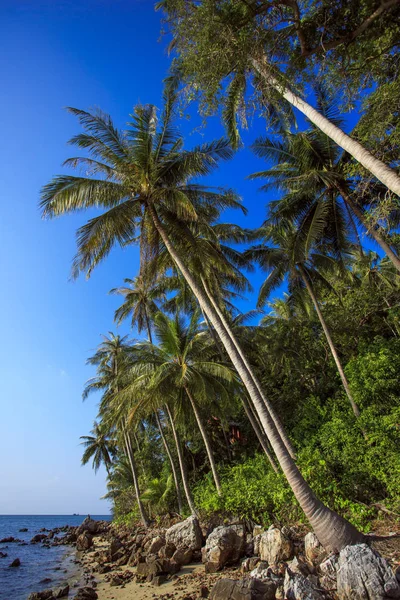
[{"x": 104, "y": 53}]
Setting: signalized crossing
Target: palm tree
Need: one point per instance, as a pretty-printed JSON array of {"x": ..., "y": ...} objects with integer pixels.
[
  {"x": 110, "y": 358},
  {"x": 310, "y": 169},
  {"x": 141, "y": 295},
  {"x": 289, "y": 257},
  {"x": 145, "y": 185},
  {"x": 181, "y": 362},
  {"x": 99, "y": 447},
  {"x": 140, "y": 302},
  {"x": 232, "y": 41}
]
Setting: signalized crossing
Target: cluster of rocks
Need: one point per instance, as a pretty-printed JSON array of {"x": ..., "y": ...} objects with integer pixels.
[
  {"x": 274, "y": 563},
  {"x": 60, "y": 592}
]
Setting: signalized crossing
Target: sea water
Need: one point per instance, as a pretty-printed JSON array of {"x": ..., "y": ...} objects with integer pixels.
[{"x": 37, "y": 562}]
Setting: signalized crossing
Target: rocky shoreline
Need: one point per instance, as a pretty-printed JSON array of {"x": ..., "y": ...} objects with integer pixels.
[{"x": 235, "y": 560}]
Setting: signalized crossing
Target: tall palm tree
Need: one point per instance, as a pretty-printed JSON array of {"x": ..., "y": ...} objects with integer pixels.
[
  {"x": 311, "y": 171},
  {"x": 181, "y": 361},
  {"x": 145, "y": 184},
  {"x": 289, "y": 257},
  {"x": 110, "y": 358},
  {"x": 234, "y": 41},
  {"x": 140, "y": 304}
]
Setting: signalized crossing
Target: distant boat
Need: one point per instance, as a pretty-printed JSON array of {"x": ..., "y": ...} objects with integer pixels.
[{"x": 75, "y": 515}]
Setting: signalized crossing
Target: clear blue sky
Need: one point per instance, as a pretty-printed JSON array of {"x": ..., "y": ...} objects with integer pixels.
[{"x": 103, "y": 53}]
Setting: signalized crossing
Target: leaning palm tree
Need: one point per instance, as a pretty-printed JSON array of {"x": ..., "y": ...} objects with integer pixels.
[
  {"x": 239, "y": 41},
  {"x": 289, "y": 257},
  {"x": 311, "y": 171},
  {"x": 145, "y": 185}
]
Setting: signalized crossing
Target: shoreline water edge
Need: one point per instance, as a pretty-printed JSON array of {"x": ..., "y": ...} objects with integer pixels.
[{"x": 230, "y": 559}]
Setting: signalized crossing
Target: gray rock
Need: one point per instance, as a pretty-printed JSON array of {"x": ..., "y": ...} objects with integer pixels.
[
  {"x": 15, "y": 563},
  {"x": 225, "y": 545},
  {"x": 61, "y": 592},
  {"x": 89, "y": 525},
  {"x": 298, "y": 587},
  {"x": 186, "y": 534},
  {"x": 243, "y": 589},
  {"x": 156, "y": 544},
  {"x": 84, "y": 541},
  {"x": 275, "y": 546},
  {"x": 312, "y": 548},
  {"x": 182, "y": 556},
  {"x": 43, "y": 595},
  {"x": 327, "y": 571},
  {"x": 362, "y": 574}
]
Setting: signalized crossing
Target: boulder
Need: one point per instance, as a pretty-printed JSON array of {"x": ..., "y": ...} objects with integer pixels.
[
  {"x": 61, "y": 592},
  {"x": 89, "y": 525},
  {"x": 225, "y": 545},
  {"x": 149, "y": 570},
  {"x": 182, "y": 556},
  {"x": 39, "y": 537},
  {"x": 3, "y": 554},
  {"x": 243, "y": 589},
  {"x": 23, "y": 530},
  {"x": 297, "y": 565},
  {"x": 168, "y": 551},
  {"x": 327, "y": 572},
  {"x": 15, "y": 563},
  {"x": 8, "y": 540},
  {"x": 43, "y": 595},
  {"x": 275, "y": 546},
  {"x": 114, "y": 551},
  {"x": 156, "y": 544},
  {"x": 299, "y": 587},
  {"x": 86, "y": 593},
  {"x": 84, "y": 541},
  {"x": 362, "y": 574},
  {"x": 186, "y": 534},
  {"x": 312, "y": 548},
  {"x": 249, "y": 564}
]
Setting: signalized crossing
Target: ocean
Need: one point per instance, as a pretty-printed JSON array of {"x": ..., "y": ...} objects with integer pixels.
[{"x": 37, "y": 562}]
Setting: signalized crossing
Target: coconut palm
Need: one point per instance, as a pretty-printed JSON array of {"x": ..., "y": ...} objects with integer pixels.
[
  {"x": 289, "y": 257},
  {"x": 181, "y": 362},
  {"x": 146, "y": 186},
  {"x": 110, "y": 359},
  {"x": 311, "y": 171},
  {"x": 140, "y": 305},
  {"x": 241, "y": 40},
  {"x": 99, "y": 447}
]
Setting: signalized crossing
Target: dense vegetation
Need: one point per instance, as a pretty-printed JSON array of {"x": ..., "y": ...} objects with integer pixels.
[{"x": 216, "y": 410}]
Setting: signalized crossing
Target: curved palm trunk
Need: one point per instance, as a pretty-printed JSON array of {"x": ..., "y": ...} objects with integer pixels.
[
  {"x": 250, "y": 371},
  {"x": 332, "y": 530},
  {"x": 335, "y": 355},
  {"x": 182, "y": 466},
  {"x": 375, "y": 166},
  {"x": 259, "y": 433},
  {"x": 373, "y": 233},
  {"x": 206, "y": 441},
  {"x": 247, "y": 407},
  {"x": 109, "y": 479},
  {"x": 172, "y": 463},
  {"x": 129, "y": 451}
]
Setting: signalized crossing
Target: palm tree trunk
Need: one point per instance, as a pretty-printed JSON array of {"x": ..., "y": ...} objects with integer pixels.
[
  {"x": 206, "y": 441},
  {"x": 379, "y": 169},
  {"x": 335, "y": 355},
  {"x": 129, "y": 453},
  {"x": 172, "y": 463},
  {"x": 182, "y": 466},
  {"x": 259, "y": 433},
  {"x": 109, "y": 479},
  {"x": 247, "y": 407},
  {"x": 332, "y": 530},
  {"x": 250, "y": 371},
  {"x": 373, "y": 232}
]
